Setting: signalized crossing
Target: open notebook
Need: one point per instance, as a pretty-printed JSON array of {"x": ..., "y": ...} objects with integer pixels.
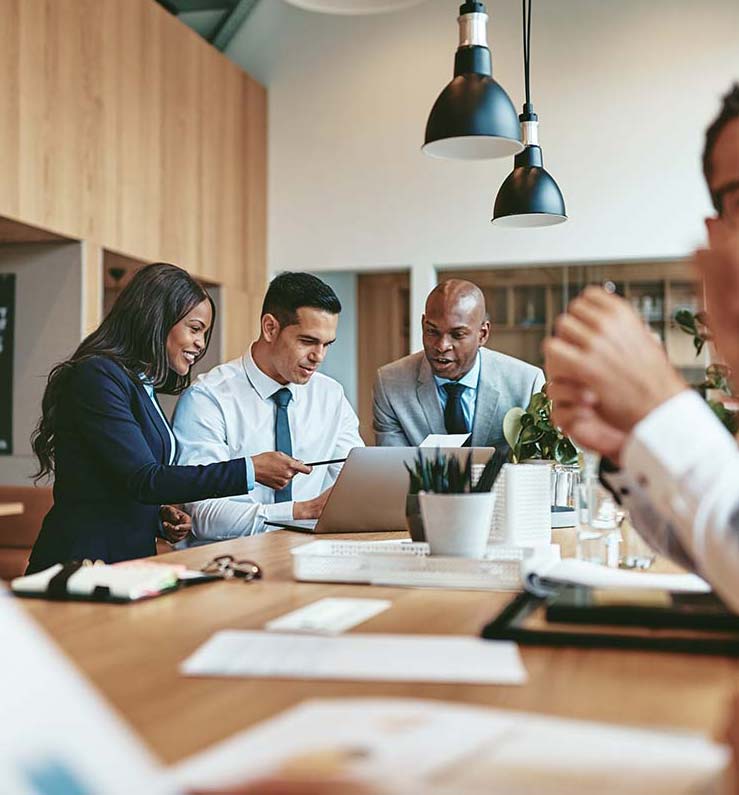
[{"x": 120, "y": 582}]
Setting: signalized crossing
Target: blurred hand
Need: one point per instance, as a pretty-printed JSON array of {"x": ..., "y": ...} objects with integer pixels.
[
  {"x": 311, "y": 509},
  {"x": 176, "y": 524},
  {"x": 294, "y": 786},
  {"x": 276, "y": 470},
  {"x": 603, "y": 346},
  {"x": 574, "y": 413},
  {"x": 718, "y": 266}
]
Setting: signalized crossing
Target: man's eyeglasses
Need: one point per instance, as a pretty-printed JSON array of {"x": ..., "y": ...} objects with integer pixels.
[{"x": 227, "y": 566}]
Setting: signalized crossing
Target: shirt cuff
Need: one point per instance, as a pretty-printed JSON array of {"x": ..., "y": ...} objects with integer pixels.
[
  {"x": 278, "y": 511},
  {"x": 251, "y": 479},
  {"x": 673, "y": 443}
]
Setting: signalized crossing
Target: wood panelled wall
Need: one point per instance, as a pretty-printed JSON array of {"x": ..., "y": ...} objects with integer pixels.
[{"x": 121, "y": 127}]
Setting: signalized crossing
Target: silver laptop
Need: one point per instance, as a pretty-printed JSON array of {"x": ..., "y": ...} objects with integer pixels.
[{"x": 369, "y": 494}]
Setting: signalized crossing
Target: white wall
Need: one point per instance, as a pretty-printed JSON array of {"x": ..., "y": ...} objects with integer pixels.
[
  {"x": 48, "y": 307},
  {"x": 624, "y": 91}
]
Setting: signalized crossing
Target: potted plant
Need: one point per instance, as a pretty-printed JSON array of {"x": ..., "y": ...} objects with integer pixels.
[
  {"x": 531, "y": 435},
  {"x": 717, "y": 375},
  {"x": 455, "y": 515},
  {"x": 533, "y": 439}
]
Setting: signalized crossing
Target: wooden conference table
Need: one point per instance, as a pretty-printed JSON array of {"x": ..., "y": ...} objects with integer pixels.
[{"x": 132, "y": 653}]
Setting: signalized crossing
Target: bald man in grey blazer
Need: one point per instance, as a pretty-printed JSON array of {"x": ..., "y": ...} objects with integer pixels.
[{"x": 454, "y": 385}]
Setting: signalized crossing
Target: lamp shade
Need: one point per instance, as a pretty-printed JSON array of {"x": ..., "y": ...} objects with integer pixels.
[
  {"x": 529, "y": 196},
  {"x": 473, "y": 118},
  {"x": 353, "y": 6}
]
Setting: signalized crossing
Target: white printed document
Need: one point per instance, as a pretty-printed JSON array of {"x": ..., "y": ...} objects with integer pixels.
[
  {"x": 330, "y": 616},
  {"x": 445, "y": 440},
  {"x": 373, "y": 657},
  {"x": 410, "y": 746},
  {"x": 538, "y": 574}
]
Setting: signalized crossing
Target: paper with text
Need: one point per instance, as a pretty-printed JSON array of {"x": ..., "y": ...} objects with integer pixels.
[{"x": 374, "y": 657}]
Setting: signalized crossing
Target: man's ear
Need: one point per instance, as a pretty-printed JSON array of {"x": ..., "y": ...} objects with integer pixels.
[
  {"x": 713, "y": 224},
  {"x": 484, "y": 332},
  {"x": 270, "y": 327}
]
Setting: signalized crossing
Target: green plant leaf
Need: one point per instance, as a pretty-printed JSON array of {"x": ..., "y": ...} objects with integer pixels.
[{"x": 512, "y": 425}]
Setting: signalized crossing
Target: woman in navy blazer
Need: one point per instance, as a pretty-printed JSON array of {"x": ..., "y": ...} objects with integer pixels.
[{"x": 103, "y": 436}]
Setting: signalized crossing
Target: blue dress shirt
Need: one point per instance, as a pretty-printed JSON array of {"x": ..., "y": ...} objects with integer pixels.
[{"x": 469, "y": 396}]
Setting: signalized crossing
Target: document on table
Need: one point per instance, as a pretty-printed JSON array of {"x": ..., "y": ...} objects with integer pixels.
[
  {"x": 373, "y": 657},
  {"x": 330, "y": 616},
  {"x": 539, "y": 574},
  {"x": 445, "y": 440},
  {"x": 410, "y": 746}
]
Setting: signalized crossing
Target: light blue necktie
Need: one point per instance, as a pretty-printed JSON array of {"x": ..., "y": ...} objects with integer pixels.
[{"x": 283, "y": 441}]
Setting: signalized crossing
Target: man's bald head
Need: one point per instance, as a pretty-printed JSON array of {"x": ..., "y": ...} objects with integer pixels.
[
  {"x": 459, "y": 296},
  {"x": 455, "y": 325}
]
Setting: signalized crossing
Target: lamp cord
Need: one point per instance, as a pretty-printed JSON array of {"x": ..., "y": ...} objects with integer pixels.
[{"x": 526, "y": 8}]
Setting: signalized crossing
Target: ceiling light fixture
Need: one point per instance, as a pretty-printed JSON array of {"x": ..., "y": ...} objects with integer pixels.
[
  {"x": 353, "y": 6},
  {"x": 473, "y": 117},
  {"x": 529, "y": 196}
]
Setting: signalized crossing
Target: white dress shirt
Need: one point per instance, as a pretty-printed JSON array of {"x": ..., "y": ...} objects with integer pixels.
[
  {"x": 152, "y": 396},
  {"x": 680, "y": 483},
  {"x": 229, "y": 413}
]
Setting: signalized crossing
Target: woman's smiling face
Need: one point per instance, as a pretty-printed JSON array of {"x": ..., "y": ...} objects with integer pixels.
[{"x": 186, "y": 339}]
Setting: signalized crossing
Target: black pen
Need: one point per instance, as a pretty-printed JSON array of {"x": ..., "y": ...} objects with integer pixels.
[{"x": 321, "y": 463}]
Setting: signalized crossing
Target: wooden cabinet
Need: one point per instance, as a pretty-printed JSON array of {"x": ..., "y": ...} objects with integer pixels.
[{"x": 524, "y": 302}]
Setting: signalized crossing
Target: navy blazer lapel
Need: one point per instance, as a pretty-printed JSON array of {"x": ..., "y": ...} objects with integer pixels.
[
  {"x": 157, "y": 422},
  {"x": 484, "y": 430},
  {"x": 428, "y": 397}
]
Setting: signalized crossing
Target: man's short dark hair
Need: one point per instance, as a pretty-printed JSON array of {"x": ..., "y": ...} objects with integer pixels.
[
  {"x": 289, "y": 292},
  {"x": 729, "y": 111}
]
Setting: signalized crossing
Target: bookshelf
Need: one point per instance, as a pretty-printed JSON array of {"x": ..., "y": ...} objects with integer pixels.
[{"x": 524, "y": 302}]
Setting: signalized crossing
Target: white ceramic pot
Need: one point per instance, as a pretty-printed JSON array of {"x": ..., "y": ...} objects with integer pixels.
[{"x": 457, "y": 525}]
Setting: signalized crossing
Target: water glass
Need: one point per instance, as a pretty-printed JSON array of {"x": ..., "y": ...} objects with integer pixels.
[{"x": 598, "y": 523}]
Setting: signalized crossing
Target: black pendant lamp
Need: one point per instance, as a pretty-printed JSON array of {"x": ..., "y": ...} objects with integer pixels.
[
  {"x": 529, "y": 196},
  {"x": 473, "y": 117}
]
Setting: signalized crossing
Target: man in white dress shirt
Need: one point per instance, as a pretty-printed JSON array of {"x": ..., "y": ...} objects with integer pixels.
[
  {"x": 673, "y": 464},
  {"x": 271, "y": 399}
]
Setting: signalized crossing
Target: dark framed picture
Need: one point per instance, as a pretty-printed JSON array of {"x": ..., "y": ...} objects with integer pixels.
[{"x": 7, "y": 326}]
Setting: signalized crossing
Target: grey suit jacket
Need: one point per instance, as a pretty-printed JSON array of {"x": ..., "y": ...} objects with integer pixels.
[{"x": 406, "y": 403}]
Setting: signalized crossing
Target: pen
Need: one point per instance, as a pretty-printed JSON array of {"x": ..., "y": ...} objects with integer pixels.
[{"x": 320, "y": 463}]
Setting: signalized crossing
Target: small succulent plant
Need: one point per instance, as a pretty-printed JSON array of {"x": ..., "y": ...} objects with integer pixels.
[{"x": 446, "y": 474}]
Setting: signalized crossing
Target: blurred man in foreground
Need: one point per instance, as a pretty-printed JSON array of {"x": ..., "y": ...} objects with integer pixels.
[{"x": 673, "y": 464}]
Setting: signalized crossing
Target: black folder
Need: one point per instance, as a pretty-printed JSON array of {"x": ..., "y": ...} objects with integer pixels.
[{"x": 573, "y": 616}]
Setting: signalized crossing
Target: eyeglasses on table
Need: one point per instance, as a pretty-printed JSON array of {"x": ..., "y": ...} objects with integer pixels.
[{"x": 228, "y": 567}]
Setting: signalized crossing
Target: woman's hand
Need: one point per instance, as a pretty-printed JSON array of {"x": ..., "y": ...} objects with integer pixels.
[
  {"x": 276, "y": 470},
  {"x": 176, "y": 524}
]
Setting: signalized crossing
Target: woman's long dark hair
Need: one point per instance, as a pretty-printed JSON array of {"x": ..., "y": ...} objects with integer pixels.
[{"x": 134, "y": 334}]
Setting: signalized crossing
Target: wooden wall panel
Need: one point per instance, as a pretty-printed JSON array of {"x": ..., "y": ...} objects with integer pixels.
[
  {"x": 119, "y": 125},
  {"x": 10, "y": 108},
  {"x": 134, "y": 132},
  {"x": 221, "y": 170},
  {"x": 255, "y": 180},
  {"x": 383, "y": 331},
  {"x": 240, "y": 324}
]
